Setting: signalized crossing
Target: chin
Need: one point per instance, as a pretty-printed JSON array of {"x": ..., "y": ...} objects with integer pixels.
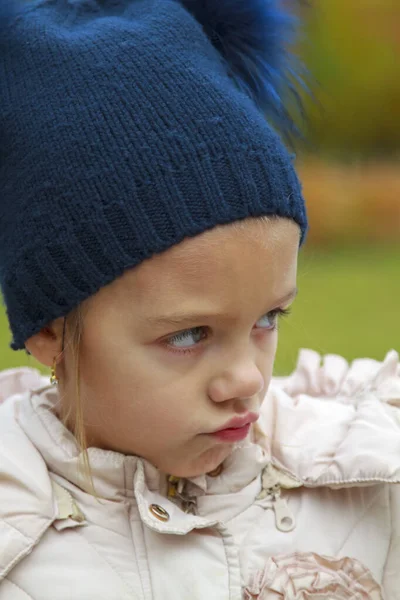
[{"x": 203, "y": 464}]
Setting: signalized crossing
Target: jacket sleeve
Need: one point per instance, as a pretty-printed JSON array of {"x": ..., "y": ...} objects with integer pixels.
[{"x": 391, "y": 579}]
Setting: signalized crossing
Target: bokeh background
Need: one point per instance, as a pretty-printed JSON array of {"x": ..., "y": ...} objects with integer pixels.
[{"x": 349, "y": 272}]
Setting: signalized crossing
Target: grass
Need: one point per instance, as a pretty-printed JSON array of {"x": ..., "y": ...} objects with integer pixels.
[{"x": 347, "y": 304}]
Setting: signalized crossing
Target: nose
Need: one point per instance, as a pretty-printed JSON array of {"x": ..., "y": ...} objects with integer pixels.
[{"x": 241, "y": 380}]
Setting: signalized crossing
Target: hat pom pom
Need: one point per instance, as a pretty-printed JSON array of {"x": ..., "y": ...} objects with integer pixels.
[{"x": 253, "y": 36}]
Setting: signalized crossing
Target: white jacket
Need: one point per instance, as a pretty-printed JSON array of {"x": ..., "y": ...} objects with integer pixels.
[{"x": 306, "y": 508}]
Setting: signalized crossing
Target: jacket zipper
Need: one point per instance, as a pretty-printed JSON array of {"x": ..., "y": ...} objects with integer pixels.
[
  {"x": 175, "y": 492},
  {"x": 284, "y": 518},
  {"x": 272, "y": 498}
]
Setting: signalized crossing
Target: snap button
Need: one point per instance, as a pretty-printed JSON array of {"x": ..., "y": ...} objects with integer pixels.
[
  {"x": 216, "y": 471},
  {"x": 159, "y": 512}
]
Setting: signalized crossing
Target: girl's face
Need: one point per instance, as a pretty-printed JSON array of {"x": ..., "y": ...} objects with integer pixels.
[{"x": 178, "y": 346}]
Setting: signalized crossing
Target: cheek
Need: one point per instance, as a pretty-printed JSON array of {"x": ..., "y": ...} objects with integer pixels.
[
  {"x": 108, "y": 380},
  {"x": 267, "y": 373},
  {"x": 134, "y": 388},
  {"x": 172, "y": 403},
  {"x": 267, "y": 361}
]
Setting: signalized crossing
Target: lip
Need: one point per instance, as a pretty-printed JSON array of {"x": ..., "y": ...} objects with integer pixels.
[
  {"x": 236, "y": 429},
  {"x": 239, "y": 422}
]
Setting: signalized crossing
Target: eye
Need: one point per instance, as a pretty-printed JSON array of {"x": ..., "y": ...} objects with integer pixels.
[
  {"x": 187, "y": 338},
  {"x": 270, "y": 320}
]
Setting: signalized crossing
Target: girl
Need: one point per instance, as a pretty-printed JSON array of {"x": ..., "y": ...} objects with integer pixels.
[{"x": 150, "y": 225}]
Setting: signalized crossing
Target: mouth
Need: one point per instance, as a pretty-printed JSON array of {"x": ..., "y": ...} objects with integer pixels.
[{"x": 236, "y": 429}]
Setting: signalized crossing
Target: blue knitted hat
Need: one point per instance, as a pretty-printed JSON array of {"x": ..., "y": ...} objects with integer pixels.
[{"x": 128, "y": 125}]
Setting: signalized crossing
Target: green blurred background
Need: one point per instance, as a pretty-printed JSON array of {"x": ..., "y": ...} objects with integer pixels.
[{"x": 349, "y": 285}]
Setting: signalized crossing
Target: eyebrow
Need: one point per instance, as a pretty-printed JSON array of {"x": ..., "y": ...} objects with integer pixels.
[{"x": 181, "y": 318}]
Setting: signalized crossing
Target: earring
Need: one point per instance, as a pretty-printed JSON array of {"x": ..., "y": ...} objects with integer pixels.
[{"x": 53, "y": 378}]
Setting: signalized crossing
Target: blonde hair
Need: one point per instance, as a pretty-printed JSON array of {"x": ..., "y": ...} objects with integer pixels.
[{"x": 73, "y": 338}]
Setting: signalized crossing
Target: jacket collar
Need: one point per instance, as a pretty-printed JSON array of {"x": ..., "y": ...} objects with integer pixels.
[
  {"x": 113, "y": 474},
  {"x": 315, "y": 441}
]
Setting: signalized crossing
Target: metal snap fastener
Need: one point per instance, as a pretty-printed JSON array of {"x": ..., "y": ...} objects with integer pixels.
[
  {"x": 159, "y": 512},
  {"x": 216, "y": 471}
]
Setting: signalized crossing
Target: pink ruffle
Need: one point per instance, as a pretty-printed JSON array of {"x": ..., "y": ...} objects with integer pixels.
[{"x": 308, "y": 576}]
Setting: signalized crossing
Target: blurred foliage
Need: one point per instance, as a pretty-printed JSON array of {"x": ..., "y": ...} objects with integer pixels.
[
  {"x": 352, "y": 202},
  {"x": 352, "y": 50}
]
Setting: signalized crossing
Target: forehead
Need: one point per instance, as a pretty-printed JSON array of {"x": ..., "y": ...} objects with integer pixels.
[{"x": 224, "y": 267}]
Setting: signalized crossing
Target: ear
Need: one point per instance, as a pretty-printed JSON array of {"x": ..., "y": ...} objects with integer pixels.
[{"x": 47, "y": 343}]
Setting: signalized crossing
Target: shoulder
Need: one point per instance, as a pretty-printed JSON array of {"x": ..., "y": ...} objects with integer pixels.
[
  {"x": 27, "y": 506},
  {"x": 333, "y": 423},
  {"x": 19, "y": 458}
]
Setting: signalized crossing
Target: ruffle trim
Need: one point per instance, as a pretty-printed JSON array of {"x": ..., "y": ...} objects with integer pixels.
[
  {"x": 312, "y": 577},
  {"x": 331, "y": 376}
]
